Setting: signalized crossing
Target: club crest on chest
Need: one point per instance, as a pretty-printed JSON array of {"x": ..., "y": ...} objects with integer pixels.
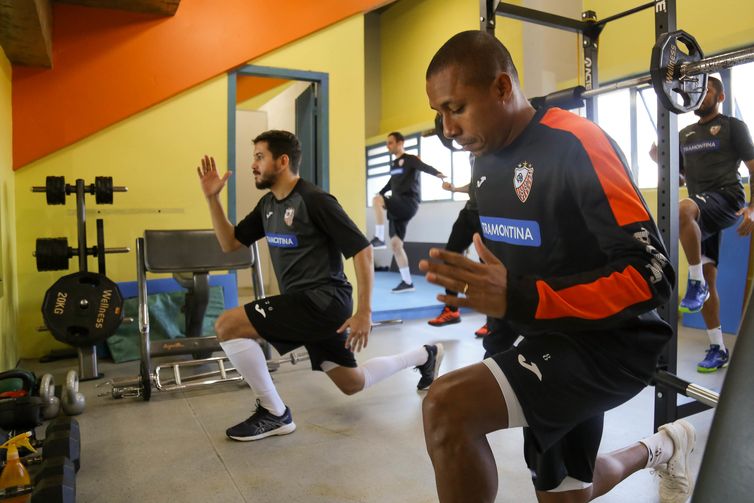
[{"x": 523, "y": 178}]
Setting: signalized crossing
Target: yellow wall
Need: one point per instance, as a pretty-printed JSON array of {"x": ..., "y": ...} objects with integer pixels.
[
  {"x": 155, "y": 154},
  {"x": 411, "y": 33},
  {"x": 8, "y": 290},
  {"x": 626, "y": 44}
]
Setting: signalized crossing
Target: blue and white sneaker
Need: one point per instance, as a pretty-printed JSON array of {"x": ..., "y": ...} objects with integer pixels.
[
  {"x": 716, "y": 358},
  {"x": 697, "y": 294},
  {"x": 261, "y": 424}
]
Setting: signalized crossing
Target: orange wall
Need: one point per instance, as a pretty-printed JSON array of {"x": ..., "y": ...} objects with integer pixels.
[{"x": 109, "y": 65}]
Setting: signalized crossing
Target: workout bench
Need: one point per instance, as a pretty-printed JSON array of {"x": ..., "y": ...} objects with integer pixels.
[{"x": 189, "y": 255}]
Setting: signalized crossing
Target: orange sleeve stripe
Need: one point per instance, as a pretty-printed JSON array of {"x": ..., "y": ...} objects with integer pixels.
[
  {"x": 625, "y": 203},
  {"x": 593, "y": 301}
]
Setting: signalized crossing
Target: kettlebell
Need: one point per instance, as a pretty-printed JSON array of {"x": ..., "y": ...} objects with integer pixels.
[
  {"x": 50, "y": 403},
  {"x": 72, "y": 401}
]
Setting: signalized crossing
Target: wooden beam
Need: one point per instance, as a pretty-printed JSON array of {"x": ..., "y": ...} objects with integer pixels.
[
  {"x": 26, "y": 32},
  {"x": 162, "y": 7}
]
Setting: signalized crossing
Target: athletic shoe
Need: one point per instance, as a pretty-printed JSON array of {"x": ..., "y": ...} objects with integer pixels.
[
  {"x": 697, "y": 294},
  {"x": 446, "y": 317},
  {"x": 483, "y": 331},
  {"x": 431, "y": 368},
  {"x": 377, "y": 244},
  {"x": 676, "y": 483},
  {"x": 262, "y": 424},
  {"x": 715, "y": 359},
  {"x": 404, "y": 287}
]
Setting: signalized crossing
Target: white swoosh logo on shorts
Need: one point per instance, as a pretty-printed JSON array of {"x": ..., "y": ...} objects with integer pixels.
[
  {"x": 260, "y": 310},
  {"x": 480, "y": 181},
  {"x": 530, "y": 366}
]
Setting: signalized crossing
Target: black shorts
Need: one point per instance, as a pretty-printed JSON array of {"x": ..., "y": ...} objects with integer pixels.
[
  {"x": 293, "y": 320},
  {"x": 564, "y": 385},
  {"x": 717, "y": 211},
  {"x": 399, "y": 211},
  {"x": 464, "y": 228}
]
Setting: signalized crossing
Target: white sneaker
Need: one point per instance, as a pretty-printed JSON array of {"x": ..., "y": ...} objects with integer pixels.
[{"x": 676, "y": 482}]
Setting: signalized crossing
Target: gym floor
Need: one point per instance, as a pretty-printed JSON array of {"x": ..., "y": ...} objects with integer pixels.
[{"x": 364, "y": 448}]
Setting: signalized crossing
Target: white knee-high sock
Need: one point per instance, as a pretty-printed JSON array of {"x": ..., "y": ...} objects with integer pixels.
[
  {"x": 382, "y": 367},
  {"x": 248, "y": 359},
  {"x": 379, "y": 232}
]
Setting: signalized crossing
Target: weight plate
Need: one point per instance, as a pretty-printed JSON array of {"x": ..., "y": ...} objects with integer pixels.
[
  {"x": 55, "y": 189},
  {"x": 83, "y": 309},
  {"x": 52, "y": 254},
  {"x": 103, "y": 189},
  {"x": 677, "y": 92}
]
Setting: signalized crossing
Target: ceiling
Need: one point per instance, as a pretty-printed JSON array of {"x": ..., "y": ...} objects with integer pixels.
[{"x": 26, "y": 26}]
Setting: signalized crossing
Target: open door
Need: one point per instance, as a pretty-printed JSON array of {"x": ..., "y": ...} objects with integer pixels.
[{"x": 306, "y": 130}]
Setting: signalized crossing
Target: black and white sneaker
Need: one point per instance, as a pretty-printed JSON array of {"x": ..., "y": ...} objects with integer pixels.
[
  {"x": 430, "y": 369},
  {"x": 403, "y": 287},
  {"x": 262, "y": 424},
  {"x": 377, "y": 244}
]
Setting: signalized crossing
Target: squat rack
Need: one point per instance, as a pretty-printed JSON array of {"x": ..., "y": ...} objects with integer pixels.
[{"x": 667, "y": 385}]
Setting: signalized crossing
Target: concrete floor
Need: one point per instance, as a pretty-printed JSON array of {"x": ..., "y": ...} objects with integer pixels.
[{"x": 366, "y": 448}]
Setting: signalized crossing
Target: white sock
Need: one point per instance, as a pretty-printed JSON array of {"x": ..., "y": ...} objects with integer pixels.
[
  {"x": 406, "y": 275},
  {"x": 379, "y": 232},
  {"x": 660, "y": 449},
  {"x": 248, "y": 359},
  {"x": 377, "y": 369},
  {"x": 695, "y": 272},
  {"x": 716, "y": 337}
]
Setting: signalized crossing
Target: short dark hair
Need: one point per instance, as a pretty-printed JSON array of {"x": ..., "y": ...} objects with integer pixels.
[
  {"x": 282, "y": 142},
  {"x": 716, "y": 84},
  {"x": 398, "y": 137},
  {"x": 480, "y": 54}
]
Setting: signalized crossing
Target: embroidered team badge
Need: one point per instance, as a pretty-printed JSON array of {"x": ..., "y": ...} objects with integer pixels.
[
  {"x": 401, "y": 161},
  {"x": 523, "y": 177},
  {"x": 714, "y": 129},
  {"x": 288, "y": 217}
]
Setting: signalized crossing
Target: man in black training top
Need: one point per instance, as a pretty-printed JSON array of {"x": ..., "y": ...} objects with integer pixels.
[
  {"x": 575, "y": 265},
  {"x": 401, "y": 205},
  {"x": 307, "y": 232},
  {"x": 464, "y": 228},
  {"x": 711, "y": 151}
]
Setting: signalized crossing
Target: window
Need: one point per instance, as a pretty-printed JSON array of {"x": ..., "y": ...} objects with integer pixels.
[
  {"x": 453, "y": 164},
  {"x": 743, "y": 101}
]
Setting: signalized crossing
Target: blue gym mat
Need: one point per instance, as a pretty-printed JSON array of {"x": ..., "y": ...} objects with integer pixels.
[
  {"x": 421, "y": 303},
  {"x": 731, "y": 282}
]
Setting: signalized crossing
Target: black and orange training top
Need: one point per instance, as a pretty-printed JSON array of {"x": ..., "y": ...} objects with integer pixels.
[{"x": 558, "y": 207}]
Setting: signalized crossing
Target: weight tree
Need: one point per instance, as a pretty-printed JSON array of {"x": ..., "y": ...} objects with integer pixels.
[{"x": 84, "y": 308}]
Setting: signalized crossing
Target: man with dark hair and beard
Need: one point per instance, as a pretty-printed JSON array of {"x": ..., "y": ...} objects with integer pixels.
[
  {"x": 307, "y": 231},
  {"x": 711, "y": 151}
]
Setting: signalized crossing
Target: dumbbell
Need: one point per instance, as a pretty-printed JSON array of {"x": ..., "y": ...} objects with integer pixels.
[
  {"x": 52, "y": 254},
  {"x": 50, "y": 402},
  {"x": 55, "y": 482},
  {"x": 71, "y": 400},
  {"x": 56, "y": 189},
  {"x": 63, "y": 439}
]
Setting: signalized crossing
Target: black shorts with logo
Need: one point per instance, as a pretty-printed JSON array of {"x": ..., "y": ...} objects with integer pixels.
[
  {"x": 717, "y": 211},
  {"x": 400, "y": 210},
  {"x": 565, "y": 383},
  {"x": 308, "y": 319}
]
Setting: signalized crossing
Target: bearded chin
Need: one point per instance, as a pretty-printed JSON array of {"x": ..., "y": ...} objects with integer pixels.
[
  {"x": 263, "y": 184},
  {"x": 701, "y": 112}
]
